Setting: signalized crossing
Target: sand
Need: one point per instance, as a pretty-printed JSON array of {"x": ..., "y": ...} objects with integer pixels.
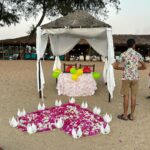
[{"x": 18, "y": 89}]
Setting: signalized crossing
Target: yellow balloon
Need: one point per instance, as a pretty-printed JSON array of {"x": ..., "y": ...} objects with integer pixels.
[
  {"x": 74, "y": 77},
  {"x": 79, "y": 72}
]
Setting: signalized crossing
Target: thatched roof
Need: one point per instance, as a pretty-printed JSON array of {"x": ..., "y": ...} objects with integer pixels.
[
  {"x": 140, "y": 39},
  {"x": 119, "y": 40},
  {"x": 19, "y": 41},
  {"x": 76, "y": 20}
]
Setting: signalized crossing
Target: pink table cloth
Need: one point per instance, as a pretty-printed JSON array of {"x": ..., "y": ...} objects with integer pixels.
[{"x": 85, "y": 85}]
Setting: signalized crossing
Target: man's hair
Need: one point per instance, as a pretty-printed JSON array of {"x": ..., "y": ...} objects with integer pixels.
[{"x": 130, "y": 43}]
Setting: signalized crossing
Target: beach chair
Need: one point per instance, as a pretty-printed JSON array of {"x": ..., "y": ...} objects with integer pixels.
[{"x": 67, "y": 67}]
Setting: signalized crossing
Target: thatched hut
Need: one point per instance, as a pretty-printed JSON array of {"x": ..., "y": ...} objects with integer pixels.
[
  {"x": 78, "y": 19},
  {"x": 9, "y": 47},
  {"x": 142, "y": 43},
  {"x": 19, "y": 41},
  {"x": 119, "y": 40},
  {"x": 141, "y": 40}
]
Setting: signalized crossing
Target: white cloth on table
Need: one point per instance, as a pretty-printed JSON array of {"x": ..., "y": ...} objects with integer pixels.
[
  {"x": 57, "y": 63},
  {"x": 85, "y": 85}
]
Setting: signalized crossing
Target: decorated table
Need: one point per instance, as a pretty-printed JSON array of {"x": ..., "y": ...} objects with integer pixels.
[{"x": 85, "y": 85}]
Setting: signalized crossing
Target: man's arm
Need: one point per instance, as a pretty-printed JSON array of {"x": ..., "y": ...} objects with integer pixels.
[
  {"x": 143, "y": 66},
  {"x": 117, "y": 67}
]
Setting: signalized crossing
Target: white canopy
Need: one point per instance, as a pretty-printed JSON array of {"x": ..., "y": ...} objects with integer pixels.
[{"x": 64, "y": 39}]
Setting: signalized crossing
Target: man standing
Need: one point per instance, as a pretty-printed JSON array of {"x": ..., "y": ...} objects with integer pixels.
[{"x": 132, "y": 61}]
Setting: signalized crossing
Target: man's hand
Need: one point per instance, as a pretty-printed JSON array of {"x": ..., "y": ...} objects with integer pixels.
[
  {"x": 117, "y": 67},
  {"x": 143, "y": 66}
]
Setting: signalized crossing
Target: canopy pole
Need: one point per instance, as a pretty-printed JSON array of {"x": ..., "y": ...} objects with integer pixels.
[
  {"x": 109, "y": 99},
  {"x": 40, "y": 92},
  {"x": 3, "y": 49}
]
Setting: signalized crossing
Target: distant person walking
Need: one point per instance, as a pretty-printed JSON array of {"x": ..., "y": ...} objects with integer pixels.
[
  {"x": 129, "y": 62},
  {"x": 148, "y": 97}
]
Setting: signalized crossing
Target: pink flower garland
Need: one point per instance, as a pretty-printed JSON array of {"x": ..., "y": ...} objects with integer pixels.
[{"x": 72, "y": 115}]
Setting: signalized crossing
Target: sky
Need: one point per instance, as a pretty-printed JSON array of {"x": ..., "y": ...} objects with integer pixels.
[{"x": 133, "y": 18}]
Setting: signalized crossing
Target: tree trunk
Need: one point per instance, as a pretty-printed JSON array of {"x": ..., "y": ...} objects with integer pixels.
[
  {"x": 38, "y": 24},
  {"x": 40, "y": 21},
  {"x": 1, "y": 9}
]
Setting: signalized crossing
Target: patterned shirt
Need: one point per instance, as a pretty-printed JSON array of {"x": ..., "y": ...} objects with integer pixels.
[{"x": 130, "y": 60}]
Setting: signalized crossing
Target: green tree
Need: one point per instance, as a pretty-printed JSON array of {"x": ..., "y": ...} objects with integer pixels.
[
  {"x": 8, "y": 13},
  {"x": 18, "y": 9},
  {"x": 49, "y": 8}
]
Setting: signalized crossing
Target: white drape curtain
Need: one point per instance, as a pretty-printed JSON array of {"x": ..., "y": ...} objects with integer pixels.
[
  {"x": 41, "y": 43},
  {"x": 60, "y": 45},
  {"x": 110, "y": 79},
  {"x": 99, "y": 45},
  {"x": 108, "y": 71},
  {"x": 40, "y": 77},
  {"x": 111, "y": 55},
  {"x": 105, "y": 70},
  {"x": 63, "y": 40},
  {"x": 57, "y": 63}
]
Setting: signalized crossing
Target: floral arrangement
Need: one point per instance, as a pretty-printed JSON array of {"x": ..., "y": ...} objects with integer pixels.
[{"x": 71, "y": 118}]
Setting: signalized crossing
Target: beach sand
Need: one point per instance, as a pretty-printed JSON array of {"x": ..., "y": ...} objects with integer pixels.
[{"x": 18, "y": 89}]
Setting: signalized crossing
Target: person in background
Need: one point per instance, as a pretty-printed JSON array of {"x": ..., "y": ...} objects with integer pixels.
[
  {"x": 129, "y": 62},
  {"x": 148, "y": 97}
]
